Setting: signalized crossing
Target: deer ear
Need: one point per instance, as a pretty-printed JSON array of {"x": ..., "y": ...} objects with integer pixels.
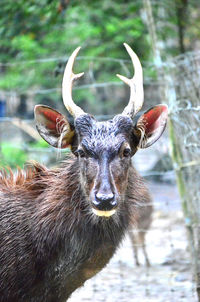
[
  {"x": 53, "y": 127},
  {"x": 151, "y": 125}
]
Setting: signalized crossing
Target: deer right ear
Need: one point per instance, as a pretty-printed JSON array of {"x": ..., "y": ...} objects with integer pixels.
[
  {"x": 53, "y": 127},
  {"x": 151, "y": 125}
]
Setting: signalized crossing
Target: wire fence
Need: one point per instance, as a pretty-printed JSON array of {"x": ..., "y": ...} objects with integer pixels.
[
  {"x": 169, "y": 278},
  {"x": 184, "y": 101}
]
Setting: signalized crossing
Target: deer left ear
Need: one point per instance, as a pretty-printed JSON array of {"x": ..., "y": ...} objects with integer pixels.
[
  {"x": 151, "y": 125},
  {"x": 53, "y": 127}
]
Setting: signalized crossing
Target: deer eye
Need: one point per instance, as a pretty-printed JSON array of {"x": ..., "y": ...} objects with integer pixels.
[
  {"x": 127, "y": 152},
  {"x": 81, "y": 153}
]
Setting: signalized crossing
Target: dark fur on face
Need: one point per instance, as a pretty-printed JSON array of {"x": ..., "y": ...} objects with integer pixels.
[{"x": 104, "y": 150}]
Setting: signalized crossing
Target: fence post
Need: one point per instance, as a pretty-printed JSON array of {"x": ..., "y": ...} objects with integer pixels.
[{"x": 182, "y": 93}]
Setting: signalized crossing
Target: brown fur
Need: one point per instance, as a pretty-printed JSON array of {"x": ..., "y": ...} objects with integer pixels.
[{"x": 49, "y": 238}]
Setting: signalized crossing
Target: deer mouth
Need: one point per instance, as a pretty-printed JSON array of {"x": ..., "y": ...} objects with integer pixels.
[{"x": 104, "y": 213}]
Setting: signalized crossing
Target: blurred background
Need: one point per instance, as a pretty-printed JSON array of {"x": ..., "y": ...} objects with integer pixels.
[{"x": 37, "y": 37}]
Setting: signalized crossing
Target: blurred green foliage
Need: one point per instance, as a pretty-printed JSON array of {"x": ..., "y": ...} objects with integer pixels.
[
  {"x": 32, "y": 30},
  {"x": 12, "y": 155},
  {"x": 35, "y": 30},
  {"x": 15, "y": 155}
]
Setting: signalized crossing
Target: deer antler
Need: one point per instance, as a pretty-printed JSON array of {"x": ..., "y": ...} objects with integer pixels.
[
  {"x": 67, "y": 83},
  {"x": 136, "y": 85}
]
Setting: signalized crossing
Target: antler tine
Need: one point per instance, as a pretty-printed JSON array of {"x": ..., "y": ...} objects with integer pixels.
[
  {"x": 136, "y": 85},
  {"x": 67, "y": 83}
]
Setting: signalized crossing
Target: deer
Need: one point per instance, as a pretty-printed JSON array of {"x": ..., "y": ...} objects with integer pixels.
[
  {"x": 137, "y": 231},
  {"x": 61, "y": 226}
]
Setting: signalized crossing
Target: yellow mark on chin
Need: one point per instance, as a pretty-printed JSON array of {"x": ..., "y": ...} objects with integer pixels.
[{"x": 103, "y": 213}]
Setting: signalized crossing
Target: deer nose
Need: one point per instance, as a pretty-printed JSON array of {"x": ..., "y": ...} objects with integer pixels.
[{"x": 104, "y": 202}]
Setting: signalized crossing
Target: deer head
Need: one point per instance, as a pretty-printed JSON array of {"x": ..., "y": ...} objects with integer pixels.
[{"x": 103, "y": 149}]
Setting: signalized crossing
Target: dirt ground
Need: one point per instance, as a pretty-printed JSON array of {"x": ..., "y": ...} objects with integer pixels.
[{"x": 169, "y": 279}]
